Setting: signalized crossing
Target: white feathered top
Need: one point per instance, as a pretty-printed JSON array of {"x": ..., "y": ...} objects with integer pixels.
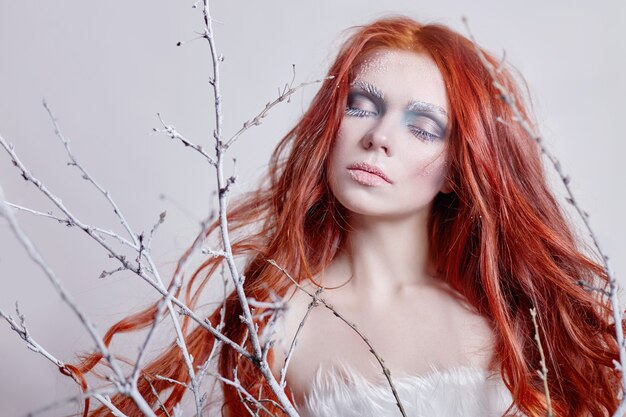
[{"x": 458, "y": 391}]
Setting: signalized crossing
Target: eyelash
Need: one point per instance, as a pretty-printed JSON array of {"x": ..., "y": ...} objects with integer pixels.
[
  {"x": 427, "y": 136},
  {"x": 353, "y": 111},
  {"x": 424, "y": 134}
]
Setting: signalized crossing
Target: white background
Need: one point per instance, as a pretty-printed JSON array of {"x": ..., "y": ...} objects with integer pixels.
[{"x": 107, "y": 68}]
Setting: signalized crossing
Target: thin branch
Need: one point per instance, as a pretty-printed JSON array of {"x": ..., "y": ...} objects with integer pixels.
[
  {"x": 591, "y": 287},
  {"x": 618, "y": 314},
  {"x": 156, "y": 395},
  {"x": 154, "y": 228},
  {"x": 85, "y": 174},
  {"x": 34, "y": 254},
  {"x": 353, "y": 326},
  {"x": 32, "y": 344},
  {"x": 543, "y": 373},
  {"x": 101, "y": 394},
  {"x": 69, "y": 223},
  {"x": 294, "y": 341},
  {"x": 282, "y": 96},
  {"x": 157, "y": 285},
  {"x": 242, "y": 390},
  {"x": 173, "y": 381},
  {"x": 217, "y": 343},
  {"x": 173, "y": 134},
  {"x": 22, "y": 331},
  {"x": 223, "y": 188}
]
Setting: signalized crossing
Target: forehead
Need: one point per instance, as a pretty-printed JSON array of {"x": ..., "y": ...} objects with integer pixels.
[{"x": 403, "y": 76}]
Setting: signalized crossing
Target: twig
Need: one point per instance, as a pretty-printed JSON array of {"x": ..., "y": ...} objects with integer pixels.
[
  {"x": 584, "y": 215},
  {"x": 120, "y": 381},
  {"x": 100, "y": 394},
  {"x": 85, "y": 174},
  {"x": 543, "y": 373},
  {"x": 69, "y": 223},
  {"x": 157, "y": 285},
  {"x": 294, "y": 341},
  {"x": 282, "y": 96},
  {"x": 242, "y": 390},
  {"x": 173, "y": 134},
  {"x": 22, "y": 331},
  {"x": 353, "y": 326},
  {"x": 156, "y": 395},
  {"x": 32, "y": 344},
  {"x": 591, "y": 287},
  {"x": 223, "y": 188},
  {"x": 173, "y": 381},
  {"x": 217, "y": 343}
]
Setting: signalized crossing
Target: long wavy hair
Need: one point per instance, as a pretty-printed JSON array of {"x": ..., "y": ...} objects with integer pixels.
[{"x": 499, "y": 238}]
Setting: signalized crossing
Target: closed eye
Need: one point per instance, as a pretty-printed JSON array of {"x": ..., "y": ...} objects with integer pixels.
[
  {"x": 423, "y": 134},
  {"x": 425, "y": 128},
  {"x": 360, "y": 106}
]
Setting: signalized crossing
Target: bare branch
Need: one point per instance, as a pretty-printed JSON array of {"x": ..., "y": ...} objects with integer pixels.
[
  {"x": 101, "y": 394},
  {"x": 69, "y": 223},
  {"x": 353, "y": 326},
  {"x": 543, "y": 373},
  {"x": 282, "y": 96},
  {"x": 173, "y": 134},
  {"x": 618, "y": 315},
  {"x": 156, "y": 395},
  {"x": 33, "y": 345},
  {"x": 34, "y": 254},
  {"x": 591, "y": 287},
  {"x": 294, "y": 341},
  {"x": 85, "y": 174},
  {"x": 22, "y": 331},
  {"x": 223, "y": 188},
  {"x": 157, "y": 285}
]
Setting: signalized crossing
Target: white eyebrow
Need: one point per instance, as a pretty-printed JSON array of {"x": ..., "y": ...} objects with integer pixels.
[{"x": 423, "y": 106}]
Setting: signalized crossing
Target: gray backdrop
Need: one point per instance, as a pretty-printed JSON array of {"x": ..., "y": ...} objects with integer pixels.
[{"x": 107, "y": 68}]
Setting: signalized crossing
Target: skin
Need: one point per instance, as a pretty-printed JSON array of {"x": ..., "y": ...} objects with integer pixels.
[{"x": 411, "y": 317}]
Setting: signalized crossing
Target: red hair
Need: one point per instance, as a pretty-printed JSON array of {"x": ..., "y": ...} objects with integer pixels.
[{"x": 499, "y": 238}]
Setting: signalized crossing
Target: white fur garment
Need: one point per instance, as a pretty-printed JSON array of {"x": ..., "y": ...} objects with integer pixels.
[{"x": 459, "y": 391}]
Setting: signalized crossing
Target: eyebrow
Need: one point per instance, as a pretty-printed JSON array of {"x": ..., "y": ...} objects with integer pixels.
[{"x": 413, "y": 105}]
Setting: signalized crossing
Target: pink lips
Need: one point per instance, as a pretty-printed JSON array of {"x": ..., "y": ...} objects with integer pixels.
[{"x": 367, "y": 174}]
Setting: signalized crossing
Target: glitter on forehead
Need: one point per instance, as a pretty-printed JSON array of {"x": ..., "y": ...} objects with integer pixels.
[
  {"x": 378, "y": 61},
  {"x": 377, "y": 64}
]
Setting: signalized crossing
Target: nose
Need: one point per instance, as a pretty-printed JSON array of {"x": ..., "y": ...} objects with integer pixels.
[{"x": 380, "y": 137}]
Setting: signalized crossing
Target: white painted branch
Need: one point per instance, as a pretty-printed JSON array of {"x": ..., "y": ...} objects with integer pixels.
[{"x": 618, "y": 314}]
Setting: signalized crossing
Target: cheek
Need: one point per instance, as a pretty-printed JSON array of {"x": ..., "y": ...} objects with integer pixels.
[
  {"x": 335, "y": 161},
  {"x": 338, "y": 151},
  {"x": 430, "y": 168}
]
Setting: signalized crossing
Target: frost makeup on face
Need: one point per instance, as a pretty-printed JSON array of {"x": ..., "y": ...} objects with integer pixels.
[
  {"x": 375, "y": 64},
  {"x": 396, "y": 121}
]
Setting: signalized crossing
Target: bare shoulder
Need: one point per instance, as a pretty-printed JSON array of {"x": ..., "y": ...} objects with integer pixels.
[
  {"x": 475, "y": 333},
  {"x": 423, "y": 326},
  {"x": 297, "y": 300}
]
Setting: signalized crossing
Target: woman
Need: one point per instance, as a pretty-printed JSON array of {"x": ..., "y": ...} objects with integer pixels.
[{"x": 412, "y": 196}]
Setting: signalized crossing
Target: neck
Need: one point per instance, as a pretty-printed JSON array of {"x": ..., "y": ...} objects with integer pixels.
[{"x": 385, "y": 256}]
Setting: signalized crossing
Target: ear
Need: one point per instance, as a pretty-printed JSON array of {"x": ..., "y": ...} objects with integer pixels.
[{"x": 446, "y": 189}]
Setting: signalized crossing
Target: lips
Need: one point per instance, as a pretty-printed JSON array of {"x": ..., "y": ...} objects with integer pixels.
[{"x": 362, "y": 166}]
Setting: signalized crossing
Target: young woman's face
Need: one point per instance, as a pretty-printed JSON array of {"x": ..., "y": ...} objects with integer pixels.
[{"x": 395, "y": 122}]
